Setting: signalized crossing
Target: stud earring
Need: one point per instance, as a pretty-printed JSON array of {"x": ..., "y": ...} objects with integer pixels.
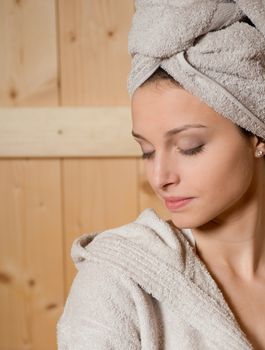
[{"x": 259, "y": 153}]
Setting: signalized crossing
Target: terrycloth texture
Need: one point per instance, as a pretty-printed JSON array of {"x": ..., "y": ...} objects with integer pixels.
[
  {"x": 215, "y": 49},
  {"x": 141, "y": 286}
]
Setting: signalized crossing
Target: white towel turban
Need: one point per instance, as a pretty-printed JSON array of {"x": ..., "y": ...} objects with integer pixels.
[{"x": 214, "y": 48}]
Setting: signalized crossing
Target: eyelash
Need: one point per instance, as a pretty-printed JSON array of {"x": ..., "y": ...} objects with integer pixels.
[{"x": 190, "y": 152}]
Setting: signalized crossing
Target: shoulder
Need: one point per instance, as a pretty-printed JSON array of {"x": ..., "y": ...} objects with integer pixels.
[
  {"x": 148, "y": 233},
  {"x": 98, "y": 307}
]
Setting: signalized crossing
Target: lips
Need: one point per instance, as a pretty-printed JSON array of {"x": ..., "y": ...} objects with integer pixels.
[
  {"x": 174, "y": 203},
  {"x": 175, "y": 199}
]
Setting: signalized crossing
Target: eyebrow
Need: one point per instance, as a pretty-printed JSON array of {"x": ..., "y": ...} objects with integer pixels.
[{"x": 173, "y": 131}]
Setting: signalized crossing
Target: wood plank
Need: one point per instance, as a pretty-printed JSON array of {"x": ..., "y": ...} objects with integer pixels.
[
  {"x": 28, "y": 59},
  {"x": 98, "y": 194},
  {"x": 31, "y": 254},
  {"x": 66, "y": 132},
  {"x": 94, "y": 57}
]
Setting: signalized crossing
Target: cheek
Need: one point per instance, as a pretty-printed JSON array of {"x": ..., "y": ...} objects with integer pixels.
[
  {"x": 223, "y": 179},
  {"x": 217, "y": 177},
  {"x": 217, "y": 188}
]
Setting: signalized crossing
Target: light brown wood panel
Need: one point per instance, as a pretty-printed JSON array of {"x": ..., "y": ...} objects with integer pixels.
[
  {"x": 147, "y": 196},
  {"x": 66, "y": 132},
  {"x": 28, "y": 55},
  {"x": 31, "y": 253},
  {"x": 98, "y": 194},
  {"x": 94, "y": 58}
]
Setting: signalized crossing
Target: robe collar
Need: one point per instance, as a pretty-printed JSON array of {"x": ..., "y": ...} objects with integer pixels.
[{"x": 164, "y": 263}]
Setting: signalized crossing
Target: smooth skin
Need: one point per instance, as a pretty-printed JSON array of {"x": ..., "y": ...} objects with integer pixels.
[{"x": 227, "y": 181}]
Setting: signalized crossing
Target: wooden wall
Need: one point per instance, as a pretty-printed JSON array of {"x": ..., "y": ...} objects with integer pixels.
[{"x": 64, "y": 170}]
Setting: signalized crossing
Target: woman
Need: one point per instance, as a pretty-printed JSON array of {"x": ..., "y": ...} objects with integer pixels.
[{"x": 196, "y": 281}]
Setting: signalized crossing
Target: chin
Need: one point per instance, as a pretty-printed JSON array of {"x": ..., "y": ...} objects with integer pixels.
[{"x": 189, "y": 220}]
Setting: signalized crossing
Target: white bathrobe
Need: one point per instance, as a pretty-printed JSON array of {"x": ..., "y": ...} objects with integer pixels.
[{"x": 142, "y": 286}]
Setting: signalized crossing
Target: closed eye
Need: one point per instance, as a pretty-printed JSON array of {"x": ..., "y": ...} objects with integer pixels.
[{"x": 190, "y": 152}]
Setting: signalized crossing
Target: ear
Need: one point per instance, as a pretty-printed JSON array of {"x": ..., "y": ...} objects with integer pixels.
[{"x": 259, "y": 144}]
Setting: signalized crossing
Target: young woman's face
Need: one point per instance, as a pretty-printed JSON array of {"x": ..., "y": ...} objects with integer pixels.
[{"x": 212, "y": 163}]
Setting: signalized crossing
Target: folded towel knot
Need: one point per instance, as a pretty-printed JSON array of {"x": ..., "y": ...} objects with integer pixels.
[
  {"x": 214, "y": 48},
  {"x": 177, "y": 26}
]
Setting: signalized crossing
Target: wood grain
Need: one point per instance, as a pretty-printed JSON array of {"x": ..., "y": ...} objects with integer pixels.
[
  {"x": 28, "y": 56},
  {"x": 66, "y": 132},
  {"x": 31, "y": 253},
  {"x": 98, "y": 194},
  {"x": 94, "y": 59}
]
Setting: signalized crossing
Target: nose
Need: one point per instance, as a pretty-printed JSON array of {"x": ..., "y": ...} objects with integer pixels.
[{"x": 165, "y": 172}]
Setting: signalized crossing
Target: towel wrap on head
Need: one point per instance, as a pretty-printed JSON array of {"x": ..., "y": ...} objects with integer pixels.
[{"x": 214, "y": 48}]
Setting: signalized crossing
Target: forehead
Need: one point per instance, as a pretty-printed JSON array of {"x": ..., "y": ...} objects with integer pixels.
[
  {"x": 166, "y": 105},
  {"x": 156, "y": 110},
  {"x": 172, "y": 132}
]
